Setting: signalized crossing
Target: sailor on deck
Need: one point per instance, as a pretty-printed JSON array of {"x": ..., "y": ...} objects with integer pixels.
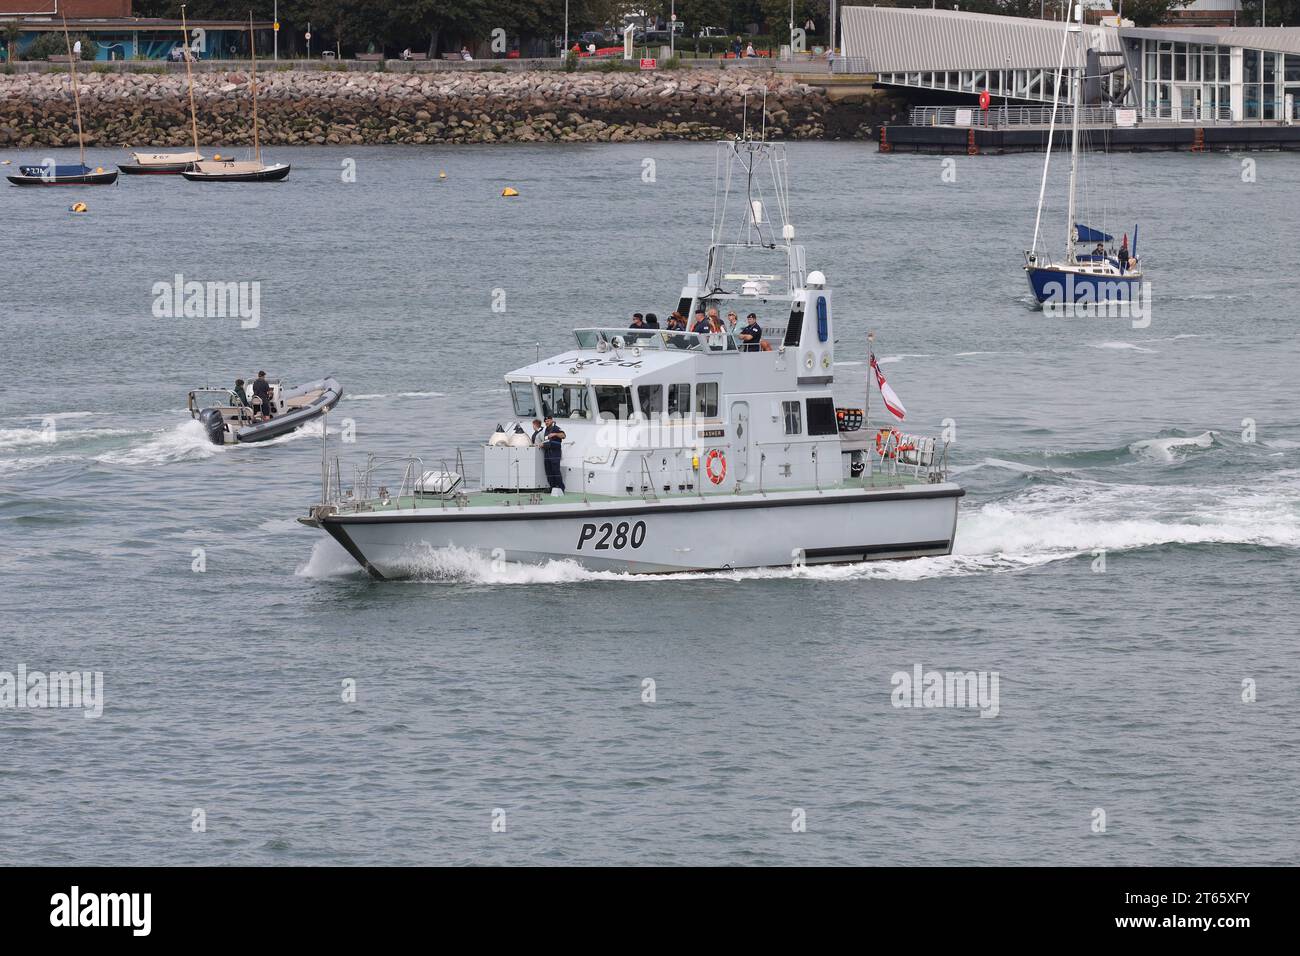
[{"x": 551, "y": 449}]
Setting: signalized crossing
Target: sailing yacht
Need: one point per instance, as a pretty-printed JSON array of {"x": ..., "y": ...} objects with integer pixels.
[
  {"x": 49, "y": 174},
  {"x": 241, "y": 171},
  {"x": 169, "y": 164},
  {"x": 1103, "y": 274}
]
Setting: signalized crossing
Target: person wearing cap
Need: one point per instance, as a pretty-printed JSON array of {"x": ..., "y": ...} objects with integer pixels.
[
  {"x": 751, "y": 335},
  {"x": 701, "y": 323},
  {"x": 262, "y": 392},
  {"x": 552, "y": 447}
]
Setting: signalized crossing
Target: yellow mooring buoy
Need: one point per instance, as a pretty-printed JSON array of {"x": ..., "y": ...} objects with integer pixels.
[
  {"x": 78, "y": 207},
  {"x": 509, "y": 192}
]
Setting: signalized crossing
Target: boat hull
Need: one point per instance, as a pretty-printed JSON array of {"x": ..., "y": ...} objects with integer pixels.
[
  {"x": 272, "y": 174},
  {"x": 154, "y": 169},
  {"x": 1051, "y": 284},
  {"x": 106, "y": 178},
  {"x": 672, "y": 535},
  {"x": 291, "y": 421}
]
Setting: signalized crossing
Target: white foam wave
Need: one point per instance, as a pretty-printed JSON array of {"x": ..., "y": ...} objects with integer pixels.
[
  {"x": 999, "y": 463},
  {"x": 369, "y": 396},
  {"x": 1165, "y": 449},
  {"x": 328, "y": 559},
  {"x": 18, "y": 437},
  {"x": 11, "y": 438},
  {"x": 186, "y": 442},
  {"x": 1121, "y": 346}
]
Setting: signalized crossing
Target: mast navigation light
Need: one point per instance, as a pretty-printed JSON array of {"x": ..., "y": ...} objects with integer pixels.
[{"x": 787, "y": 232}]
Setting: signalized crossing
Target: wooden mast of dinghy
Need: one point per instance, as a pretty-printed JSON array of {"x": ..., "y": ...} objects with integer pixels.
[
  {"x": 252, "y": 52},
  {"x": 189, "y": 79},
  {"x": 76, "y": 97}
]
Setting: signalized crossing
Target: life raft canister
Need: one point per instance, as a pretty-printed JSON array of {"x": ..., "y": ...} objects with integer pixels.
[{"x": 713, "y": 456}]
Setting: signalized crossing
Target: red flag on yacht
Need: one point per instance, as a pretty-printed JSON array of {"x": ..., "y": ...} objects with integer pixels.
[{"x": 887, "y": 394}]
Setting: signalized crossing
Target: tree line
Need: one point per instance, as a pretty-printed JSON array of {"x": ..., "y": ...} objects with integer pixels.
[{"x": 436, "y": 26}]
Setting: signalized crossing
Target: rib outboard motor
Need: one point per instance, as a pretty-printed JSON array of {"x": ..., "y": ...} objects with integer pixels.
[{"x": 214, "y": 425}]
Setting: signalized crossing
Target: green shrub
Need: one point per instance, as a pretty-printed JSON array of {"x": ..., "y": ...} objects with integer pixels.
[
  {"x": 53, "y": 44},
  {"x": 616, "y": 65},
  {"x": 570, "y": 61}
]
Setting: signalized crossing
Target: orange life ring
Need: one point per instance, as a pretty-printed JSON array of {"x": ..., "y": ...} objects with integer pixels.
[
  {"x": 721, "y": 459},
  {"x": 887, "y": 442}
]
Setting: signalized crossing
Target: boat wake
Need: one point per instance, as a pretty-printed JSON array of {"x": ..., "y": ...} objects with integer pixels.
[
  {"x": 186, "y": 442},
  {"x": 1173, "y": 447}
]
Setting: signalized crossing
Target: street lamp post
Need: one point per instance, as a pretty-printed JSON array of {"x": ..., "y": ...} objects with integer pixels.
[{"x": 565, "y": 52}]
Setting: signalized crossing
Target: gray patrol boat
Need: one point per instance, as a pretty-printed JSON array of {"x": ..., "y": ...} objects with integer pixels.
[{"x": 683, "y": 451}]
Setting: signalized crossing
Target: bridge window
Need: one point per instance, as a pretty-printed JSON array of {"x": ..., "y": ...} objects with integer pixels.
[
  {"x": 521, "y": 393},
  {"x": 706, "y": 399},
  {"x": 821, "y": 416},
  {"x": 793, "y": 412},
  {"x": 795, "y": 328},
  {"x": 613, "y": 401},
  {"x": 651, "y": 400},
  {"x": 679, "y": 399},
  {"x": 565, "y": 401}
]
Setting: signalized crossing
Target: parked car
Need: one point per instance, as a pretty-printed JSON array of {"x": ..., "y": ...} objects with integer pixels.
[{"x": 712, "y": 32}]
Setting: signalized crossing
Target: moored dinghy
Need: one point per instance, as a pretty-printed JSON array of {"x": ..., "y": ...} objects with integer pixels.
[
  {"x": 673, "y": 450},
  {"x": 228, "y": 421},
  {"x": 245, "y": 171},
  {"x": 78, "y": 174},
  {"x": 159, "y": 164},
  {"x": 235, "y": 171},
  {"x": 170, "y": 164},
  {"x": 72, "y": 174}
]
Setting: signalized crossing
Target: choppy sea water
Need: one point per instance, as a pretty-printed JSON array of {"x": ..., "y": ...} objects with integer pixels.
[{"x": 521, "y": 689}]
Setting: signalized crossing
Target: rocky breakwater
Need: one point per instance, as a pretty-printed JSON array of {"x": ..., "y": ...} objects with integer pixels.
[{"x": 152, "y": 109}]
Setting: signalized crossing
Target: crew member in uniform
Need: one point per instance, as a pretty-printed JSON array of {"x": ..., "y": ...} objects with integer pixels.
[
  {"x": 551, "y": 447},
  {"x": 752, "y": 334}
]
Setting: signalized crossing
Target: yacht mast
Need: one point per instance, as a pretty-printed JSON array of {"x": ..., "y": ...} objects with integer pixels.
[
  {"x": 76, "y": 97},
  {"x": 189, "y": 79},
  {"x": 252, "y": 52},
  {"x": 1074, "y": 134},
  {"x": 1051, "y": 130}
]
